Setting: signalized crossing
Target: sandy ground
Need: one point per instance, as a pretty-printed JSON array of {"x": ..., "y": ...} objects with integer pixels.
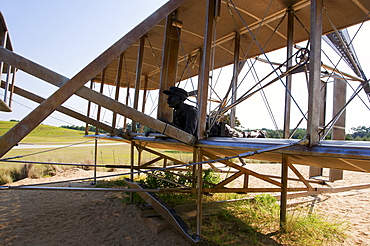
[{"x": 35, "y": 217}]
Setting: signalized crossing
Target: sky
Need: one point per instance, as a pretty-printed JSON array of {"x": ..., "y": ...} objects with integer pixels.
[{"x": 66, "y": 35}]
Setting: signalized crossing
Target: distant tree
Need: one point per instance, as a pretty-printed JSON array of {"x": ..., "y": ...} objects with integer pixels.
[
  {"x": 360, "y": 133},
  {"x": 226, "y": 119},
  {"x": 83, "y": 128}
]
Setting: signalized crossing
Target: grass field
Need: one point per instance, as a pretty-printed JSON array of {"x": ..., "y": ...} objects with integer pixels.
[
  {"x": 78, "y": 154},
  {"x": 45, "y": 134}
]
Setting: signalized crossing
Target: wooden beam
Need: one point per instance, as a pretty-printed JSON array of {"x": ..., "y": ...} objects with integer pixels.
[
  {"x": 102, "y": 82},
  {"x": 118, "y": 87},
  {"x": 139, "y": 68},
  {"x": 206, "y": 67},
  {"x": 242, "y": 169},
  {"x": 64, "y": 110},
  {"x": 338, "y": 132},
  {"x": 314, "y": 72},
  {"x": 250, "y": 190},
  {"x": 235, "y": 78},
  {"x": 88, "y": 94},
  {"x": 170, "y": 54},
  {"x": 299, "y": 175},
  {"x": 88, "y": 111},
  {"x": 229, "y": 179},
  {"x": 288, "y": 89},
  {"x": 32, "y": 120}
]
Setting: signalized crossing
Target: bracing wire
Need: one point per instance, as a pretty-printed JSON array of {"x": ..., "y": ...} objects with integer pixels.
[
  {"x": 28, "y": 107},
  {"x": 45, "y": 151},
  {"x": 265, "y": 100},
  {"x": 330, "y": 125},
  {"x": 271, "y": 64},
  {"x": 218, "y": 114},
  {"x": 253, "y": 36}
]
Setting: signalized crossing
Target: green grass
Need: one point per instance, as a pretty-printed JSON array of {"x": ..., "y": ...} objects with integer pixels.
[
  {"x": 255, "y": 221},
  {"x": 45, "y": 134}
]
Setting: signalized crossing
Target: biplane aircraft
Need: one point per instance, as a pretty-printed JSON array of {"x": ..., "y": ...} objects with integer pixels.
[{"x": 181, "y": 44}]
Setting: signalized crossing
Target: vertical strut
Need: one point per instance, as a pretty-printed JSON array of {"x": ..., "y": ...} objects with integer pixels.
[
  {"x": 314, "y": 71},
  {"x": 139, "y": 66},
  {"x": 199, "y": 194},
  {"x": 206, "y": 67},
  {"x": 235, "y": 78},
  {"x": 118, "y": 83},
  {"x": 169, "y": 63},
  {"x": 288, "y": 100},
  {"x": 284, "y": 192}
]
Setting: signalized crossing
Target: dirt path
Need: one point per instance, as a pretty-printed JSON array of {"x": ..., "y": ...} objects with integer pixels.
[
  {"x": 31, "y": 217},
  {"x": 35, "y": 217}
]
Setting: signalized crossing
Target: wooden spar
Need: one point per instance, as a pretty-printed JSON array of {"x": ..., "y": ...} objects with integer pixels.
[
  {"x": 235, "y": 78},
  {"x": 242, "y": 169},
  {"x": 64, "y": 110},
  {"x": 338, "y": 132},
  {"x": 127, "y": 98},
  {"x": 101, "y": 91},
  {"x": 88, "y": 94},
  {"x": 7, "y": 82},
  {"x": 199, "y": 192},
  {"x": 314, "y": 72},
  {"x": 339, "y": 101},
  {"x": 3, "y": 44},
  {"x": 32, "y": 120},
  {"x": 170, "y": 54},
  {"x": 206, "y": 67},
  {"x": 288, "y": 99},
  {"x": 88, "y": 110},
  {"x": 139, "y": 68},
  {"x": 12, "y": 88},
  {"x": 284, "y": 192},
  {"x": 118, "y": 87},
  {"x": 144, "y": 98}
]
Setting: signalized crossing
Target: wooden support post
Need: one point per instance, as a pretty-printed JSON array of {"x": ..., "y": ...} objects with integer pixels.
[
  {"x": 144, "y": 99},
  {"x": 288, "y": 99},
  {"x": 88, "y": 110},
  {"x": 318, "y": 171},
  {"x": 126, "y": 103},
  {"x": 235, "y": 78},
  {"x": 338, "y": 132},
  {"x": 139, "y": 66},
  {"x": 7, "y": 81},
  {"x": 194, "y": 167},
  {"x": 246, "y": 181},
  {"x": 26, "y": 125},
  {"x": 170, "y": 55},
  {"x": 64, "y": 110},
  {"x": 199, "y": 195},
  {"x": 12, "y": 87},
  {"x": 284, "y": 192},
  {"x": 95, "y": 159},
  {"x": 118, "y": 87},
  {"x": 206, "y": 67},
  {"x": 3, "y": 44},
  {"x": 314, "y": 72},
  {"x": 132, "y": 159},
  {"x": 102, "y": 81},
  {"x": 33, "y": 119}
]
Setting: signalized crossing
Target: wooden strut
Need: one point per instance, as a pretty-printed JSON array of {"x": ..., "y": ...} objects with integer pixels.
[
  {"x": 84, "y": 92},
  {"x": 32, "y": 120},
  {"x": 64, "y": 110}
]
